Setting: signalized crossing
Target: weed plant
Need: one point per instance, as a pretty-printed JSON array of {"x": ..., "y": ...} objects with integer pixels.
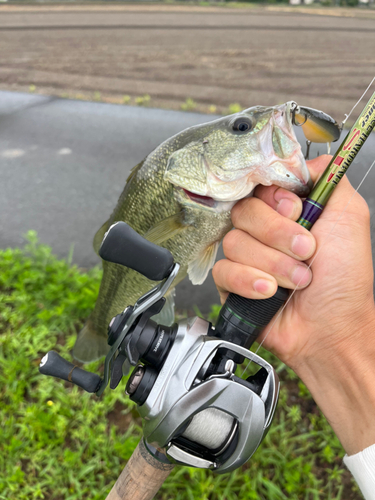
[
  {"x": 189, "y": 105},
  {"x": 60, "y": 443}
]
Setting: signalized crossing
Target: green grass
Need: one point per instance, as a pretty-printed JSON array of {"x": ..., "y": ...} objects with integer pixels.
[{"x": 60, "y": 443}]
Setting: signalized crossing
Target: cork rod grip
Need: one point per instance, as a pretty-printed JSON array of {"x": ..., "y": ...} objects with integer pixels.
[{"x": 141, "y": 478}]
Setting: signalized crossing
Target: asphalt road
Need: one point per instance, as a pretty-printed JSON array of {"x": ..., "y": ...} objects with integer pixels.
[{"x": 64, "y": 163}]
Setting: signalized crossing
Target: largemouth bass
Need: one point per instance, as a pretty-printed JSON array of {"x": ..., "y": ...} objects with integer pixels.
[{"x": 180, "y": 197}]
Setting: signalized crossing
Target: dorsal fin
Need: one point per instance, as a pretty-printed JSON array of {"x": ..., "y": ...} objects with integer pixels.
[
  {"x": 98, "y": 238},
  {"x": 134, "y": 171}
]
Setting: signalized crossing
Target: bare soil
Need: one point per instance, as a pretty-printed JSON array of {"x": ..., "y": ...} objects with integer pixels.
[{"x": 216, "y": 56}]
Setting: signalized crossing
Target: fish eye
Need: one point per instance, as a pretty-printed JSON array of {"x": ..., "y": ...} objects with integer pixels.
[{"x": 242, "y": 124}]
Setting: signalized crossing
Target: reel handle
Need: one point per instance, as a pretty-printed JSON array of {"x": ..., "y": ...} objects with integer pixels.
[
  {"x": 56, "y": 366},
  {"x": 122, "y": 245}
]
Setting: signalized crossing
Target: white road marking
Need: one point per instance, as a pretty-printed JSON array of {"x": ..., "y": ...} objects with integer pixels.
[
  {"x": 12, "y": 153},
  {"x": 64, "y": 151}
]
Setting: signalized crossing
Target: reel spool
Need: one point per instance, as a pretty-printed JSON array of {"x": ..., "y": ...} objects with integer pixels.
[{"x": 204, "y": 419}]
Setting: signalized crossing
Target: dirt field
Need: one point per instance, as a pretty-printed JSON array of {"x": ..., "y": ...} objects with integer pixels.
[{"x": 215, "y": 56}]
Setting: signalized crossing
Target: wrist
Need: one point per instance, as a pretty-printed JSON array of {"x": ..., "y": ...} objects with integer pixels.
[{"x": 341, "y": 379}]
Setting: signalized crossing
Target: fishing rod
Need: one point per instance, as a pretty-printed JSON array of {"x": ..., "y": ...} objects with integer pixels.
[{"x": 196, "y": 411}]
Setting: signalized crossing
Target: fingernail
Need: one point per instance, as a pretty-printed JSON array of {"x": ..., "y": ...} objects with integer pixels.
[
  {"x": 286, "y": 207},
  {"x": 264, "y": 287},
  {"x": 302, "y": 245},
  {"x": 301, "y": 276}
]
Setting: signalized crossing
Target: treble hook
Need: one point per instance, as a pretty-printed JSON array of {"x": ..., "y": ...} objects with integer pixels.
[
  {"x": 308, "y": 144},
  {"x": 296, "y": 109}
]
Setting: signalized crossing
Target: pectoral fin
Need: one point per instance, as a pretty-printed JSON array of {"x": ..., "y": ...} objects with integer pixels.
[
  {"x": 166, "y": 229},
  {"x": 199, "y": 268}
]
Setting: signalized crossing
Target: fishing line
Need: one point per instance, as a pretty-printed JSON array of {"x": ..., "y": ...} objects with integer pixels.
[
  {"x": 323, "y": 242},
  {"x": 359, "y": 100}
]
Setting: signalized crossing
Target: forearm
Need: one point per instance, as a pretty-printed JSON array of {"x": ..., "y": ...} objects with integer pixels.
[{"x": 341, "y": 379}]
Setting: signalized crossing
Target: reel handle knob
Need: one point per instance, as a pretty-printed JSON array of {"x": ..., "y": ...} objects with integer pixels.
[
  {"x": 122, "y": 245},
  {"x": 54, "y": 365}
]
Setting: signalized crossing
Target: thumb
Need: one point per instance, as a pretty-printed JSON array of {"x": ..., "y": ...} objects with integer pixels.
[{"x": 317, "y": 166}]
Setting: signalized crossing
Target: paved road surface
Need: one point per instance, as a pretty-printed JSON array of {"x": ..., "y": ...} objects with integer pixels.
[{"x": 64, "y": 163}]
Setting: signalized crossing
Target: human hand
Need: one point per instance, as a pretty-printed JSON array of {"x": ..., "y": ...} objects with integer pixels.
[
  {"x": 267, "y": 244},
  {"x": 330, "y": 319}
]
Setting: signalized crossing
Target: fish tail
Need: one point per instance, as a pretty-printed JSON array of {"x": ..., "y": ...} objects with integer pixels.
[{"x": 89, "y": 345}]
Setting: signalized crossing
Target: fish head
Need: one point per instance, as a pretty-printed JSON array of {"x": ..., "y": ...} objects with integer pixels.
[{"x": 223, "y": 161}]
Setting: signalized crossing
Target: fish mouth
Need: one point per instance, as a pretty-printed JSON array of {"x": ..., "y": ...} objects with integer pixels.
[
  {"x": 206, "y": 201},
  {"x": 202, "y": 202},
  {"x": 284, "y": 152},
  {"x": 292, "y": 175}
]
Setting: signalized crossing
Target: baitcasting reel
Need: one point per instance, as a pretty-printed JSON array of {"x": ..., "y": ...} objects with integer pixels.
[{"x": 195, "y": 410}]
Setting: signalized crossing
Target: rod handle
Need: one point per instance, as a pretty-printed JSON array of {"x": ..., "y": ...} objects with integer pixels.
[
  {"x": 141, "y": 478},
  {"x": 242, "y": 320}
]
